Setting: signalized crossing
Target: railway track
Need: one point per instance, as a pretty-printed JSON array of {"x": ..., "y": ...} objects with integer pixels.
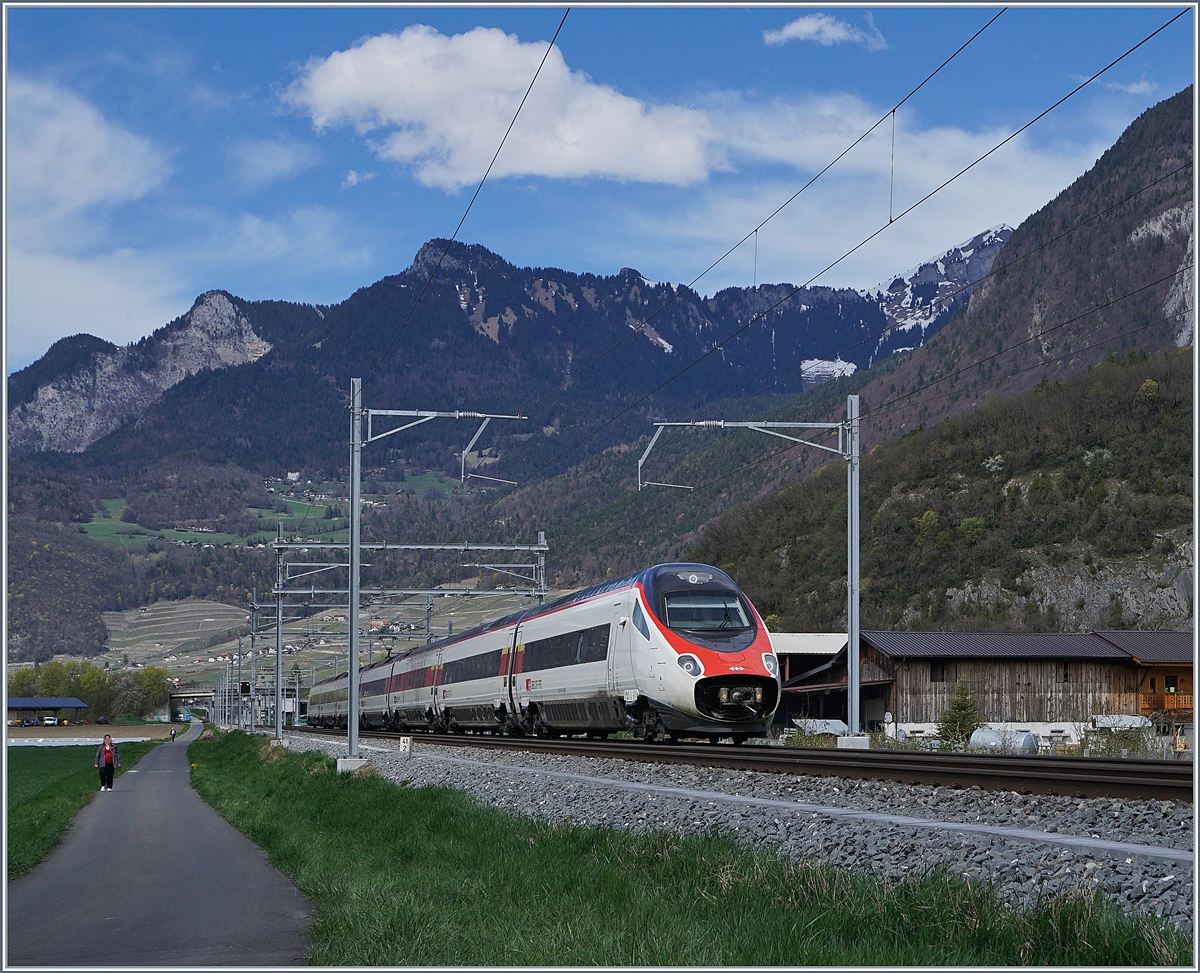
[{"x": 1067, "y": 776}]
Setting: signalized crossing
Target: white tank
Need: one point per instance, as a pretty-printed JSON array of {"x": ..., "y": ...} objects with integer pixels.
[{"x": 997, "y": 741}]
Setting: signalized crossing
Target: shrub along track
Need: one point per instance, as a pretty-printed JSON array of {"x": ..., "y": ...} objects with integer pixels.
[{"x": 1067, "y": 776}]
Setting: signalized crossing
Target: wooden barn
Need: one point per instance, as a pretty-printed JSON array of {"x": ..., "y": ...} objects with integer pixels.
[{"x": 1048, "y": 682}]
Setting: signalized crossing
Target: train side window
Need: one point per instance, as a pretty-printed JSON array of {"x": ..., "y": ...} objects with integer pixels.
[
  {"x": 567, "y": 649},
  {"x": 639, "y": 620},
  {"x": 937, "y": 671},
  {"x": 593, "y": 644}
]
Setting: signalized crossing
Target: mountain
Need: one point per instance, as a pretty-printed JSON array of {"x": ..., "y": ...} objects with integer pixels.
[
  {"x": 97, "y": 386},
  {"x": 492, "y": 336},
  {"x": 918, "y": 303},
  {"x": 1121, "y": 226},
  {"x": 262, "y": 383}
]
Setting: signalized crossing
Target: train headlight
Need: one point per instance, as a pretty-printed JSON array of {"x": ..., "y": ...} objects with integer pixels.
[
  {"x": 771, "y": 663},
  {"x": 691, "y": 665}
]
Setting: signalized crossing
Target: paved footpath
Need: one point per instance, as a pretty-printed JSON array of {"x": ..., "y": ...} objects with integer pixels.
[{"x": 150, "y": 875}]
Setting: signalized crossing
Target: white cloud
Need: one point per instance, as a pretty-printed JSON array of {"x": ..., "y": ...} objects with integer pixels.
[
  {"x": 260, "y": 162},
  {"x": 64, "y": 157},
  {"x": 354, "y": 178},
  {"x": 304, "y": 235},
  {"x": 119, "y": 296},
  {"x": 826, "y": 31},
  {"x": 441, "y": 104},
  {"x": 68, "y": 167},
  {"x": 1142, "y": 87}
]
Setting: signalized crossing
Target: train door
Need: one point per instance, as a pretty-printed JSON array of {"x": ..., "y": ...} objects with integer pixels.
[
  {"x": 620, "y": 659},
  {"x": 510, "y": 671}
]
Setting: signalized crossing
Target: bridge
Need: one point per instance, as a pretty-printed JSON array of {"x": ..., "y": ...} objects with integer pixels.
[{"x": 191, "y": 695}]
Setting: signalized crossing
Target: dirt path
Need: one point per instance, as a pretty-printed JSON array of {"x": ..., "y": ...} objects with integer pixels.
[{"x": 155, "y": 731}]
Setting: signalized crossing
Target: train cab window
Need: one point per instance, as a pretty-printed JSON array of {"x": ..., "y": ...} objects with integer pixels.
[
  {"x": 639, "y": 620},
  {"x": 702, "y": 605},
  {"x": 705, "y": 611}
]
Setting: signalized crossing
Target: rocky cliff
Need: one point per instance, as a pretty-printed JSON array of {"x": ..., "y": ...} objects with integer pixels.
[{"x": 111, "y": 385}]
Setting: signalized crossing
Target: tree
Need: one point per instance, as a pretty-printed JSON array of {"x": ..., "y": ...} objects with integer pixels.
[
  {"x": 961, "y": 718},
  {"x": 156, "y": 684},
  {"x": 130, "y": 697},
  {"x": 22, "y": 683}
]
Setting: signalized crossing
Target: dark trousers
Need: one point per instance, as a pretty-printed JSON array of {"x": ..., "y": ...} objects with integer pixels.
[{"x": 106, "y": 775}]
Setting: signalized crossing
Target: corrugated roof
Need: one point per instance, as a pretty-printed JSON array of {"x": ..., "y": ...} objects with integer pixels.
[
  {"x": 1154, "y": 646},
  {"x": 45, "y": 702},
  {"x": 807, "y": 643},
  {"x": 993, "y": 645}
]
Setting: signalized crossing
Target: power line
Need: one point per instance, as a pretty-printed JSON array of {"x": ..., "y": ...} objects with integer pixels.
[
  {"x": 754, "y": 232},
  {"x": 753, "y": 319},
  {"x": 442, "y": 256}
]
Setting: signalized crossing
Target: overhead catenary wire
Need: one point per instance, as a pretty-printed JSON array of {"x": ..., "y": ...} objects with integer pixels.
[
  {"x": 945, "y": 298},
  {"x": 911, "y": 208}
]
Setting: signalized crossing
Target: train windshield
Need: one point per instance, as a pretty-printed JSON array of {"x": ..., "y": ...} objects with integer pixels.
[{"x": 705, "y": 611}]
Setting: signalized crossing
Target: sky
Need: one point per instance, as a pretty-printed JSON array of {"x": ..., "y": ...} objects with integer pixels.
[{"x": 301, "y": 153}]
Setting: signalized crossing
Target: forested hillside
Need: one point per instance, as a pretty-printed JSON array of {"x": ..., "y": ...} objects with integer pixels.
[
  {"x": 1068, "y": 508},
  {"x": 61, "y": 581}
]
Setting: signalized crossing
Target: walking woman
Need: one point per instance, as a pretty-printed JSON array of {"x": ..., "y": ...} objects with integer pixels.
[{"x": 108, "y": 759}]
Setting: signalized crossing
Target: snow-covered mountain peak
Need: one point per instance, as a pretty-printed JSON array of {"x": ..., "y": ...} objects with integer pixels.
[{"x": 925, "y": 296}]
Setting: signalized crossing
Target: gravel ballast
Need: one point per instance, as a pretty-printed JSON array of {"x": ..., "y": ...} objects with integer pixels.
[{"x": 808, "y": 818}]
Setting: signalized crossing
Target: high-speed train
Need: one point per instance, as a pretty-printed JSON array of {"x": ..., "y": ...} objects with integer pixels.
[{"x": 673, "y": 651}]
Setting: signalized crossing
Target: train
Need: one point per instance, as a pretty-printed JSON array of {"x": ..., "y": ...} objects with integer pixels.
[{"x": 672, "y": 652}]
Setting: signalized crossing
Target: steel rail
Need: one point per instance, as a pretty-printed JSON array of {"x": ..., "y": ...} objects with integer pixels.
[{"x": 1066, "y": 776}]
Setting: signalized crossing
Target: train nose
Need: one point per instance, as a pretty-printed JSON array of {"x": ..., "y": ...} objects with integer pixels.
[{"x": 737, "y": 698}]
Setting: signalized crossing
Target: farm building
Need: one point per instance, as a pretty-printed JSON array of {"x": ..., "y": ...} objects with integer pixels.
[
  {"x": 1050, "y": 684},
  {"x": 37, "y": 707}
]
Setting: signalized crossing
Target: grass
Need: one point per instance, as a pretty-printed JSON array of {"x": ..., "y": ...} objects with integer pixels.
[
  {"x": 109, "y": 527},
  {"x": 404, "y": 876},
  {"x": 47, "y": 787},
  {"x": 130, "y": 719}
]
